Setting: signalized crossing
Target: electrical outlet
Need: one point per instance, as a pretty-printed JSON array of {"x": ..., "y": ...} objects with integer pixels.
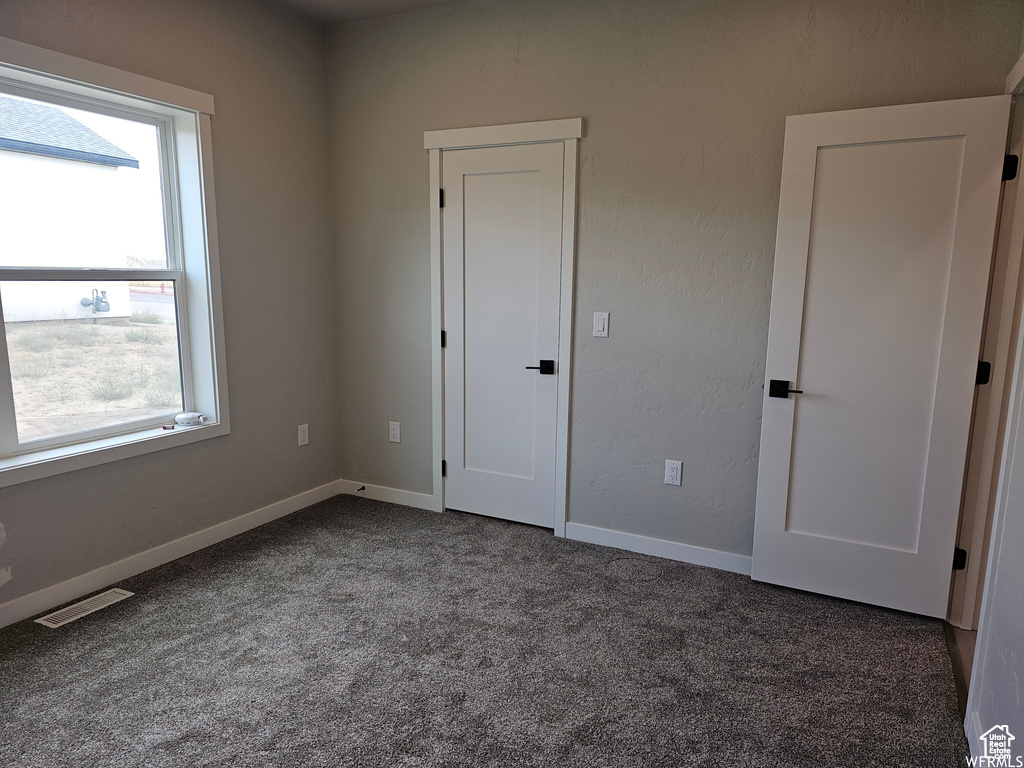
[
  {"x": 303, "y": 434},
  {"x": 394, "y": 432},
  {"x": 673, "y": 472}
]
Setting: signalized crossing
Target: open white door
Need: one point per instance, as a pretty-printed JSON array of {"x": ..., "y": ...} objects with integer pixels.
[
  {"x": 886, "y": 224},
  {"x": 502, "y": 257}
]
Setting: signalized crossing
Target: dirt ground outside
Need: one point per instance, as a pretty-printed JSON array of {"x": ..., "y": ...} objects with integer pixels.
[{"x": 71, "y": 376}]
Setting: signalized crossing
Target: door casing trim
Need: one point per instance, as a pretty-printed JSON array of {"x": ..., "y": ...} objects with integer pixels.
[
  {"x": 567, "y": 132},
  {"x": 990, "y": 417},
  {"x": 502, "y": 135}
]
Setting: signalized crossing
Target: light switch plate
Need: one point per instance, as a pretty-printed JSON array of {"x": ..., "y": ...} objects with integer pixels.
[{"x": 601, "y": 325}]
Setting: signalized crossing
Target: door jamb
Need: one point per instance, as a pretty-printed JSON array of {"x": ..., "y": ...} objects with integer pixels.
[
  {"x": 995, "y": 512},
  {"x": 568, "y": 132},
  {"x": 988, "y": 436}
]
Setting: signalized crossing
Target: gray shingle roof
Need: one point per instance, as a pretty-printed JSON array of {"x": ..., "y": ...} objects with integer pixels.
[{"x": 39, "y": 129}]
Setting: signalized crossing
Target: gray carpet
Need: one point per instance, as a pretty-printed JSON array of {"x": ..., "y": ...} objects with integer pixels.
[{"x": 357, "y": 633}]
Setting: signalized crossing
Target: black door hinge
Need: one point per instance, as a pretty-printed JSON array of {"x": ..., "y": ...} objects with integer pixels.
[
  {"x": 959, "y": 559},
  {"x": 444, "y": 468},
  {"x": 1010, "y": 164},
  {"x": 984, "y": 375},
  {"x": 444, "y": 338},
  {"x": 441, "y": 197}
]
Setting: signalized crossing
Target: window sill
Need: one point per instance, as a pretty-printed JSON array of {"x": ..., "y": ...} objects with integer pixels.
[{"x": 55, "y": 461}]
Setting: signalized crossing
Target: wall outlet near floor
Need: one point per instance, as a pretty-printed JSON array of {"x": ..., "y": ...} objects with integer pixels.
[
  {"x": 394, "y": 432},
  {"x": 303, "y": 434},
  {"x": 673, "y": 472}
]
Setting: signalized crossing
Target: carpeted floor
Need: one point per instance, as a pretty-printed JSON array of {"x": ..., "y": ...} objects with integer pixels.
[{"x": 357, "y": 633}]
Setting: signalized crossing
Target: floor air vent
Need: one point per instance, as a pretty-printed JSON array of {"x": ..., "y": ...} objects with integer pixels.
[{"x": 84, "y": 608}]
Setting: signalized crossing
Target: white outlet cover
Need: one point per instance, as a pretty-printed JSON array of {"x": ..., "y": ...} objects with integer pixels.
[
  {"x": 673, "y": 472},
  {"x": 394, "y": 432},
  {"x": 303, "y": 434}
]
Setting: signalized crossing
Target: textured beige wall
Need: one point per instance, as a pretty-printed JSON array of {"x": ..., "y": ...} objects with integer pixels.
[
  {"x": 265, "y": 67},
  {"x": 685, "y": 106}
]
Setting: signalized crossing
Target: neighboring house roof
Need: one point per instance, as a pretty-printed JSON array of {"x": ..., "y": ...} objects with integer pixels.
[{"x": 40, "y": 129}]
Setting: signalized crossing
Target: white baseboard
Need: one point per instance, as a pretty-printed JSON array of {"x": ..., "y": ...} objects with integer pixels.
[
  {"x": 50, "y": 597},
  {"x": 393, "y": 495},
  {"x": 671, "y": 550}
]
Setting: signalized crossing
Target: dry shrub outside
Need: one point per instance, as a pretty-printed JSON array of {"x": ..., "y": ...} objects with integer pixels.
[{"x": 70, "y": 376}]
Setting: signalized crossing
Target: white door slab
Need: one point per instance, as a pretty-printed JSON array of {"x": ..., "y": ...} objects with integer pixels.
[
  {"x": 502, "y": 259},
  {"x": 886, "y": 225}
]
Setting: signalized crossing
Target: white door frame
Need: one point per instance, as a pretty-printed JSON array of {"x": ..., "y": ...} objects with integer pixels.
[
  {"x": 992, "y": 412},
  {"x": 568, "y": 132},
  {"x": 1008, "y": 411}
]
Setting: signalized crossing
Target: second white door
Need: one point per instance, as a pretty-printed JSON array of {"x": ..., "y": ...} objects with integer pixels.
[
  {"x": 502, "y": 256},
  {"x": 886, "y": 223}
]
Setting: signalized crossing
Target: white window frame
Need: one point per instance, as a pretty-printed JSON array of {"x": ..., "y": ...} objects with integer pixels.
[{"x": 183, "y": 119}]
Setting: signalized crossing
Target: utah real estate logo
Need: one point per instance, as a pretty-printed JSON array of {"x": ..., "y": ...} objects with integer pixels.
[{"x": 997, "y": 750}]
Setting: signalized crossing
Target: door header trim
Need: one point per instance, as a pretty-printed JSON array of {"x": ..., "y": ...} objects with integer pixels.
[
  {"x": 496, "y": 135},
  {"x": 1015, "y": 80}
]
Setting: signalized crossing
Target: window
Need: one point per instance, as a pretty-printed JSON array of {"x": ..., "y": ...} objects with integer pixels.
[{"x": 108, "y": 265}]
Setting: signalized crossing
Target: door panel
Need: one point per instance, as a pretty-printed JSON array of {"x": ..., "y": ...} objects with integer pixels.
[
  {"x": 502, "y": 258},
  {"x": 877, "y": 278},
  {"x": 501, "y": 321},
  {"x": 886, "y": 224}
]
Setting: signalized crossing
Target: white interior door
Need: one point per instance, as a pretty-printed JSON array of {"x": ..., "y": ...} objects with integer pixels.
[
  {"x": 502, "y": 256},
  {"x": 886, "y": 225}
]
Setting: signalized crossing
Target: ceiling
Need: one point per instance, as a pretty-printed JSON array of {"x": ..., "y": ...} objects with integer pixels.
[{"x": 353, "y": 10}]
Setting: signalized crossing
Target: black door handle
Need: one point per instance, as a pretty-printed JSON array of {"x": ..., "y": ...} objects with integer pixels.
[
  {"x": 546, "y": 367},
  {"x": 780, "y": 388}
]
